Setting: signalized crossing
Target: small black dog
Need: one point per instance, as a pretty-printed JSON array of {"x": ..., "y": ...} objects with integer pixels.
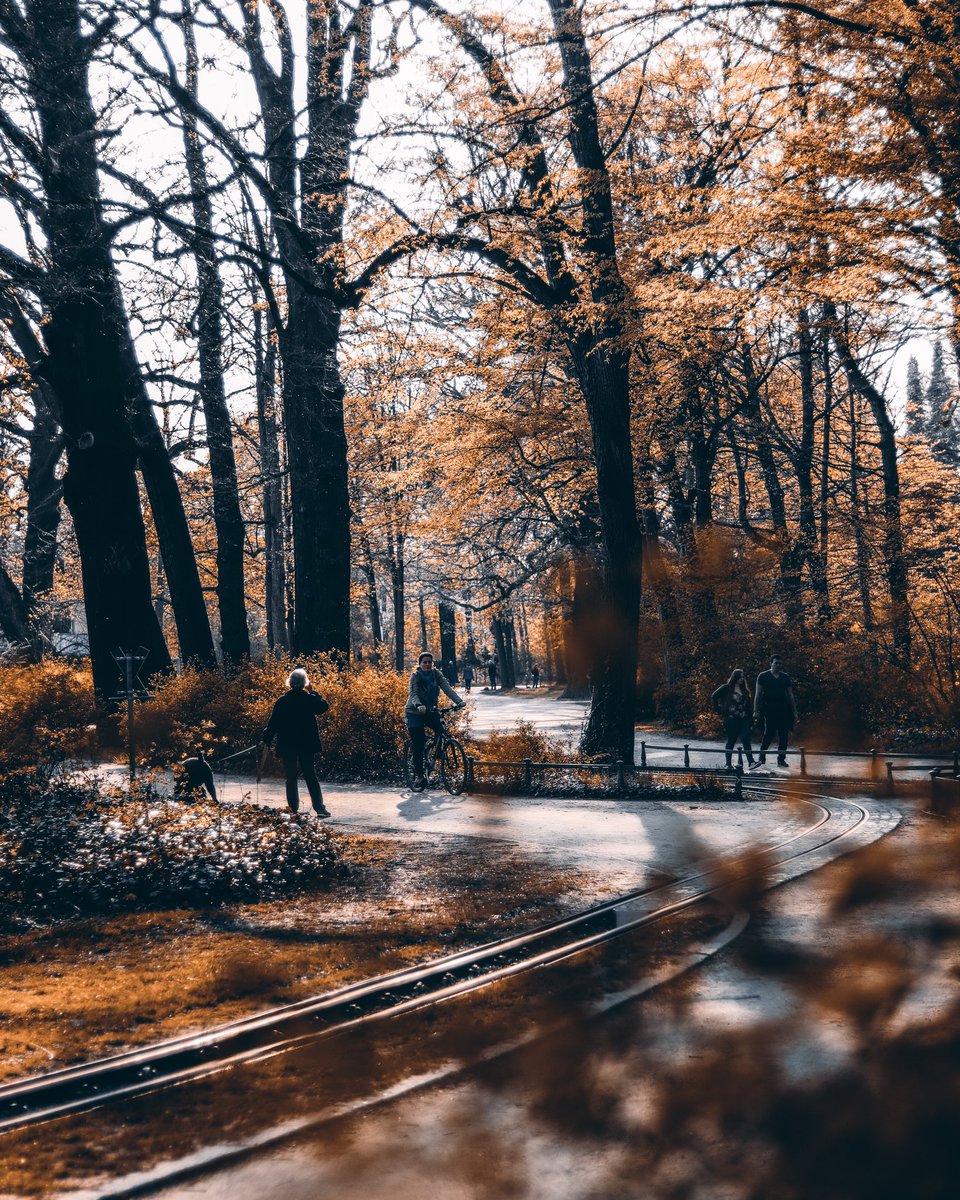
[{"x": 191, "y": 777}]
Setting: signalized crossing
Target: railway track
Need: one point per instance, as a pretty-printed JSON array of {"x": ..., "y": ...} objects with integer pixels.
[{"x": 179, "y": 1060}]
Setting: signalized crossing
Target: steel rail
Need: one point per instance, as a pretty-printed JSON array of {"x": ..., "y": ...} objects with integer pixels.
[{"x": 273, "y": 1031}]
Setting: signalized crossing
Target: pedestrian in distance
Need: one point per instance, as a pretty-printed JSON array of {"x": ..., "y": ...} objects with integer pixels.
[
  {"x": 467, "y": 678},
  {"x": 534, "y": 675},
  {"x": 776, "y": 706},
  {"x": 732, "y": 700},
  {"x": 293, "y": 729},
  {"x": 420, "y": 712},
  {"x": 492, "y": 672}
]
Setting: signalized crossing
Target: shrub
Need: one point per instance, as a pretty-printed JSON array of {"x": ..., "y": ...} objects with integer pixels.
[
  {"x": 362, "y": 735},
  {"x": 72, "y": 851},
  {"x": 45, "y": 711}
]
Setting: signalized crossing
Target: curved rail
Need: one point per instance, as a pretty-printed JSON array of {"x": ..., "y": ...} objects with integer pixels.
[{"x": 92, "y": 1084}]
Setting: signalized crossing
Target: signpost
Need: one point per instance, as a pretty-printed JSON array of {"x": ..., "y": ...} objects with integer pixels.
[{"x": 130, "y": 662}]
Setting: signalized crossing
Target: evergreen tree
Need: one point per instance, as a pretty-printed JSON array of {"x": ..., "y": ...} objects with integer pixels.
[
  {"x": 941, "y": 401},
  {"x": 916, "y": 406}
]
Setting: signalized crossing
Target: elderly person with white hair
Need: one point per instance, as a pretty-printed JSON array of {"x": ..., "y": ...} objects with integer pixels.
[{"x": 293, "y": 727}]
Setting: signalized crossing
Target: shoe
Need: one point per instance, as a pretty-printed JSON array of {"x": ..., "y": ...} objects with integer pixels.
[
  {"x": 320, "y": 813},
  {"x": 782, "y": 762},
  {"x": 762, "y": 760},
  {"x": 419, "y": 782},
  {"x": 751, "y": 764}
]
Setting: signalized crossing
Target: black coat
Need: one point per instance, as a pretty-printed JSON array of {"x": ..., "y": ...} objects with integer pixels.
[{"x": 293, "y": 723}]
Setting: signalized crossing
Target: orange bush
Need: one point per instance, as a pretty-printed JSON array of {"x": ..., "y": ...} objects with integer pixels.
[{"x": 45, "y": 711}]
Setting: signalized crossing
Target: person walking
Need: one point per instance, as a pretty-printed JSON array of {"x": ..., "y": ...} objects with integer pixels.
[
  {"x": 293, "y": 729},
  {"x": 775, "y": 704},
  {"x": 732, "y": 700},
  {"x": 467, "y": 678},
  {"x": 420, "y": 711},
  {"x": 534, "y": 675},
  {"x": 492, "y": 672}
]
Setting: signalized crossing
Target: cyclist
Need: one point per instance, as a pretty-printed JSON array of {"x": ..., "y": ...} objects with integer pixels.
[{"x": 426, "y": 684}]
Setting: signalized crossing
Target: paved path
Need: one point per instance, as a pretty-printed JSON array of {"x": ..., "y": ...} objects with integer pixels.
[{"x": 564, "y": 719}]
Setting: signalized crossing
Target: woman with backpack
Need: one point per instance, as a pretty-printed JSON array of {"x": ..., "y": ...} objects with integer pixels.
[{"x": 733, "y": 701}]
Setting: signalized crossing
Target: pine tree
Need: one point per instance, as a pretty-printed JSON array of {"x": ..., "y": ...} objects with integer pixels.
[
  {"x": 938, "y": 394},
  {"x": 916, "y": 405}
]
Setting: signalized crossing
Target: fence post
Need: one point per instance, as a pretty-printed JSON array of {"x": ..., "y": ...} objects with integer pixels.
[
  {"x": 686, "y": 755},
  {"x": 621, "y": 782},
  {"x": 873, "y": 762},
  {"x": 740, "y": 760},
  {"x": 738, "y": 786},
  {"x": 527, "y": 774},
  {"x": 469, "y": 780},
  {"x": 643, "y": 756},
  {"x": 889, "y": 778},
  {"x": 803, "y": 761}
]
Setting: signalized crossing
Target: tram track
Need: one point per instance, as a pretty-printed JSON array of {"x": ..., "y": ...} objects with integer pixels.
[{"x": 276, "y": 1031}]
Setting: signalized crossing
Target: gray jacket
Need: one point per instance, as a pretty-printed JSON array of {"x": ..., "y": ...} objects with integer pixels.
[{"x": 414, "y": 699}]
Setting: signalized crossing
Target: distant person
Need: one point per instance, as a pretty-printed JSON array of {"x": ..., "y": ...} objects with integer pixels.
[
  {"x": 192, "y": 778},
  {"x": 468, "y": 678},
  {"x": 293, "y": 727},
  {"x": 534, "y": 675},
  {"x": 420, "y": 711},
  {"x": 776, "y": 705},
  {"x": 492, "y": 673},
  {"x": 732, "y": 700}
]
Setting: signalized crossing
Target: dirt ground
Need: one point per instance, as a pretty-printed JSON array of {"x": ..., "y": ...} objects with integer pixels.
[{"x": 85, "y": 988}]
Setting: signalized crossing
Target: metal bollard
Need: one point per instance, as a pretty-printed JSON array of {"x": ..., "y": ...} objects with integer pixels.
[
  {"x": 889, "y": 778},
  {"x": 803, "y": 761},
  {"x": 740, "y": 761},
  {"x": 621, "y": 782},
  {"x": 873, "y": 762},
  {"x": 686, "y": 755},
  {"x": 469, "y": 779},
  {"x": 738, "y": 786},
  {"x": 643, "y": 756},
  {"x": 527, "y": 774}
]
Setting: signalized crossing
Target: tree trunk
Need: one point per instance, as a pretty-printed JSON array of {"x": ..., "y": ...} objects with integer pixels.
[
  {"x": 447, "y": 617},
  {"x": 44, "y": 493},
  {"x": 14, "y": 619},
  {"x": 89, "y": 362},
  {"x": 227, "y": 515},
  {"x": 373, "y": 604},
  {"x": 271, "y": 477},
  {"x": 503, "y": 645},
  {"x": 893, "y": 547},
  {"x": 808, "y": 547},
  {"x": 398, "y": 585},
  {"x": 585, "y": 613}
]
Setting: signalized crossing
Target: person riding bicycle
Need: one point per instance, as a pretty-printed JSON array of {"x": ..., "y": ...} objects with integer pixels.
[{"x": 420, "y": 711}]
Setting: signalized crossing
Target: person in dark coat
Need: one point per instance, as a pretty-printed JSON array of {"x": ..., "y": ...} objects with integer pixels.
[
  {"x": 776, "y": 705},
  {"x": 192, "y": 777},
  {"x": 492, "y": 672},
  {"x": 732, "y": 700},
  {"x": 468, "y": 677},
  {"x": 420, "y": 711},
  {"x": 293, "y": 729}
]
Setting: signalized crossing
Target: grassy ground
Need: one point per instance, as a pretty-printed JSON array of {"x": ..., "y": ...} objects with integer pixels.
[{"x": 80, "y": 989}]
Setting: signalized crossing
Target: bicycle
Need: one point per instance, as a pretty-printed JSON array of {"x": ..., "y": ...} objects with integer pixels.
[{"x": 442, "y": 753}]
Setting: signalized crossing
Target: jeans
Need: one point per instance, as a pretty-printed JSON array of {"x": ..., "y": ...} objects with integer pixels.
[
  {"x": 417, "y": 728},
  {"x": 775, "y": 725},
  {"x": 738, "y": 729},
  {"x": 302, "y": 759}
]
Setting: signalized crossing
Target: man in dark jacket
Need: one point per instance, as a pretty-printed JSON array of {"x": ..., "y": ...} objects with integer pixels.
[
  {"x": 775, "y": 704},
  {"x": 420, "y": 711},
  {"x": 293, "y": 725}
]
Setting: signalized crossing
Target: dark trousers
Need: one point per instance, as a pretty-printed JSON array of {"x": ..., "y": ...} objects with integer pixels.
[
  {"x": 302, "y": 760},
  {"x": 775, "y": 725},
  {"x": 738, "y": 729},
  {"x": 418, "y": 737}
]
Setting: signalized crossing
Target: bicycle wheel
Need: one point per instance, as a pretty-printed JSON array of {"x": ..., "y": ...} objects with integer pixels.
[
  {"x": 453, "y": 767},
  {"x": 408, "y": 771}
]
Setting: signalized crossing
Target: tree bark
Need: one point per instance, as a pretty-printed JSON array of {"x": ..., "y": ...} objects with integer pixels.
[
  {"x": 271, "y": 478},
  {"x": 89, "y": 361},
  {"x": 893, "y": 543},
  {"x": 447, "y": 619},
  {"x": 227, "y": 515}
]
